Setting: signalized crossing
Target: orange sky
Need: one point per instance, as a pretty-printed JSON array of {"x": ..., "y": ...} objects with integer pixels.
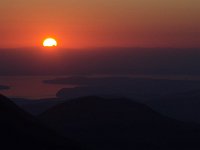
[{"x": 99, "y": 23}]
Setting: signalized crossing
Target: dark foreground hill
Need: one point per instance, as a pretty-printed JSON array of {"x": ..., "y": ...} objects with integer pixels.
[
  {"x": 182, "y": 105},
  {"x": 120, "y": 124},
  {"x": 20, "y": 131}
]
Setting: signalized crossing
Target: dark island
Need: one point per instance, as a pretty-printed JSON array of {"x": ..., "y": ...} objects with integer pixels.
[{"x": 3, "y": 87}]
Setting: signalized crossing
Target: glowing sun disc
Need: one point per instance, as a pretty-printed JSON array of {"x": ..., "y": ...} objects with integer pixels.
[{"x": 49, "y": 42}]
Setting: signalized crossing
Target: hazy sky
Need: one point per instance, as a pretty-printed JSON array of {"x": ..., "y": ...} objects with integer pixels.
[{"x": 94, "y": 23}]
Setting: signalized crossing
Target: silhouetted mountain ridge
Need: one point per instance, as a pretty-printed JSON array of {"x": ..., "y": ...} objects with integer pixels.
[
  {"x": 19, "y": 130},
  {"x": 120, "y": 124},
  {"x": 181, "y": 105}
]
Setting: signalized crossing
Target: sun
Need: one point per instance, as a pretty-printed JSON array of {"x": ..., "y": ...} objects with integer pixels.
[{"x": 49, "y": 42}]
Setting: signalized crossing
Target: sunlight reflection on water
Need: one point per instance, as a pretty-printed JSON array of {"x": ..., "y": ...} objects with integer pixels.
[{"x": 31, "y": 87}]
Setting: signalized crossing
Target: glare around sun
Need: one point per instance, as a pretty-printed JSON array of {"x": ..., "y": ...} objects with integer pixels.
[{"x": 49, "y": 42}]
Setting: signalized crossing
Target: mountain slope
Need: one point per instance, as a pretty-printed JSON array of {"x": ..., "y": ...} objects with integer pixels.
[
  {"x": 19, "y": 130},
  {"x": 182, "y": 106},
  {"x": 120, "y": 124}
]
